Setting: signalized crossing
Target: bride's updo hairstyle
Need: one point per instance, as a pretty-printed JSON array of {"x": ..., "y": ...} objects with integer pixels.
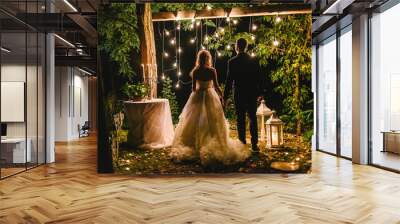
[{"x": 203, "y": 60}]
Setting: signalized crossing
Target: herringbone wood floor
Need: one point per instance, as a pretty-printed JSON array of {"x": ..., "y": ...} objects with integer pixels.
[{"x": 70, "y": 191}]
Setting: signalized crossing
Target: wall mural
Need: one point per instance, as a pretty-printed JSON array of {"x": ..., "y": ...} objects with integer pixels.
[{"x": 195, "y": 88}]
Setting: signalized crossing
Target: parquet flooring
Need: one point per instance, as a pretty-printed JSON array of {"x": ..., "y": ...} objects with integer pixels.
[{"x": 70, "y": 191}]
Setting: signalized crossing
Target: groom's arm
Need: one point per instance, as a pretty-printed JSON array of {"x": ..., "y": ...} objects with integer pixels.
[{"x": 228, "y": 83}]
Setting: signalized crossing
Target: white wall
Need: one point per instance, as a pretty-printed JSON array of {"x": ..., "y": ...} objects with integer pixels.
[{"x": 71, "y": 102}]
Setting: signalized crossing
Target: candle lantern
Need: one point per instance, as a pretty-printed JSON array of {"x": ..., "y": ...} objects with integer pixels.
[
  {"x": 263, "y": 113},
  {"x": 274, "y": 128}
]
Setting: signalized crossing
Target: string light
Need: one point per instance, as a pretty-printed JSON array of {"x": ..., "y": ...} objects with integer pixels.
[
  {"x": 222, "y": 30},
  {"x": 173, "y": 41},
  {"x": 166, "y": 32},
  {"x": 202, "y": 47},
  {"x": 166, "y": 54},
  {"x": 175, "y": 64},
  {"x": 254, "y": 27},
  {"x": 192, "y": 26},
  {"x": 209, "y": 7},
  {"x": 235, "y": 21},
  {"x": 275, "y": 43},
  {"x": 193, "y": 20},
  {"x": 253, "y": 37},
  {"x": 179, "y": 50},
  {"x": 216, "y": 34},
  {"x": 206, "y": 38},
  {"x": 219, "y": 54},
  {"x": 163, "y": 76},
  {"x": 228, "y": 19},
  {"x": 192, "y": 40},
  {"x": 278, "y": 19},
  {"x": 177, "y": 85},
  {"x": 178, "y": 27},
  {"x": 252, "y": 54},
  {"x": 179, "y": 73},
  {"x": 198, "y": 23},
  {"x": 228, "y": 47}
]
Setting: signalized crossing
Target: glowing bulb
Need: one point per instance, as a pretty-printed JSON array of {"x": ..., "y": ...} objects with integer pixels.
[
  {"x": 178, "y": 27},
  {"x": 297, "y": 158},
  {"x": 216, "y": 35},
  {"x": 219, "y": 54},
  {"x": 235, "y": 21},
  {"x": 172, "y": 41},
  {"x": 179, "y": 73},
  {"x": 254, "y": 27},
  {"x": 166, "y": 54},
  {"x": 179, "y": 50},
  {"x": 192, "y": 40},
  {"x": 228, "y": 47},
  {"x": 127, "y": 160},
  {"x": 198, "y": 23},
  {"x": 127, "y": 168},
  {"x": 175, "y": 64},
  {"x": 252, "y": 54},
  {"x": 167, "y": 32},
  {"x": 163, "y": 77},
  {"x": 228, "y": 19},
  {"x": 193, "y": 20},
  {"x": 202, "y": 47},
  {"x": 191, "y": 26},
  {"x": 275, "y": 43},
  {"x": 222, "y": 30},
  {"x": 206, "y": 38},
  {"x": 253, "y": 37},
  {"x": 209, "y": 7},
  {"x": 177, "y": 85},
  {"x": 278, "y": 19}
]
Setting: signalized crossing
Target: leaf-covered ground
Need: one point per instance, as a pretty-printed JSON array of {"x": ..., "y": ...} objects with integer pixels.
[{"x": 144, "y": 162}]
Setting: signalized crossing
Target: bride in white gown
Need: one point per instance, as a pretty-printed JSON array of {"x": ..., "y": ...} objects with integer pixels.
[{"x": 203, "y": 131}]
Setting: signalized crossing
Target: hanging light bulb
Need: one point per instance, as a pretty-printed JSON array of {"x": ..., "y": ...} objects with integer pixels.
[
  {"x": 179, "y": 50},
  {"x": 177, "y": 85},
  {"x": 192, "y": 26},
  {"x": 167, "y": 32},
  {"x": 163, "y": 76},
  {"x": 252, "y": 54},
  {"x": 222, "y": 30},
  {"x": 275, "y": 43},
  {"x": 198, "y": 23},
  {"x": 202, "y": 47},
  {"x": 278, "y": 19},
  {"x": 216, "y": 34},
  {"x": 206, "y": 38},
  {"x": 175, "y": 64},
  {"x": 254, "y": 27},
  {"x": 235, "y": 21},
  {"x": 219, "y": 54},
  {"x": 179, "y": 73},
  {"x": 178, "y": 27},
  {"x": 228, "y": 47},
  {"x": 228, "y": 19},
  {"x": 209, "y": 7},
  {"x": 193, "y": 20},
  {"x": 166, "y": 54},
  {"x": 172, "y": 41},
  {"x": 192, "y": 40},
  {"x": 253, "y": 37}
]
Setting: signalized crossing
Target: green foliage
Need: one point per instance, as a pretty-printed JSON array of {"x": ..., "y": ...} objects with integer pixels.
[
  {"x": 230, "y": 111},
  {"x": 135, "y": 91},
  {"x": 168, "y": 92},
  {"x": 118, "y": 32}
]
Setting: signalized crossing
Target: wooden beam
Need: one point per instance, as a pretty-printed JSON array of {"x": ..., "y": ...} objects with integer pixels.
[{"x": 265, "y": 10}]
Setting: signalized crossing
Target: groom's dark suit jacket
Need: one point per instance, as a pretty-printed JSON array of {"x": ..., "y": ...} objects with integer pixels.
[{"x": 245, "y": 76}]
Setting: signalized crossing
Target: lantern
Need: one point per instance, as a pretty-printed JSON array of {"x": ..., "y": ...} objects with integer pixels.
[
  {"x": 274, "y": 128},
  {"x": 263, "y": 113}
]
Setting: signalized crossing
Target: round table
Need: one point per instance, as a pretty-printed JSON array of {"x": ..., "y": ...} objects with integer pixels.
[{"x": 150, "y": 123}]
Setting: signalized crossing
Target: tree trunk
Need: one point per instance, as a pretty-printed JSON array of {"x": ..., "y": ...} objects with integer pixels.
[
  {"x": 298, "y": 105},
  {"x": 147, "y": 46}
]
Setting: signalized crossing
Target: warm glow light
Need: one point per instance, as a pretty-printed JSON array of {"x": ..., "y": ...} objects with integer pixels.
[
  {"x": 253, "y": 37},
  {"x": 228, "y": 19},
  {"x": 192, "y": 26},
  {"x": 177, "y": 85},
  {"x": 166, "y": 54},
  {"x": 206, "y": 38},
  {"x": 235, "y": 21},
  {"x": 209, "y": 7},
  {"x": 193, "y": 20},
  {"x": 216, "y": 34},
  {"x": 202, "y": 47},
  {"x": 163, "y": 77},
  {"x": 228, "y": 47},
  {"x": 254, "y": 27},
  {"x": 219, "y": 54},
  {"x": 178, "y": 27},
  {"x": 127, "y": 168},
  {"x": 175, "y": 64},
  {"x": 275, "y": 43},
  {"x": 198, "y": 23},
  {"x": 192, "y": 40},
  {"x": 179, "y": 50},
  {"x": 222, "y": 30},
  {"x": 252, "y": 54},
  {"x": 172, "y": 41},
  {"x": 278, "y": 19},
  {"x": 179, "y": 73},
  {"x": 167, "y": 32}
]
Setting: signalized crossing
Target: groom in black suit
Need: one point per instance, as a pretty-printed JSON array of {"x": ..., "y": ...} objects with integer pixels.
[{"x": 244, "y": 74}]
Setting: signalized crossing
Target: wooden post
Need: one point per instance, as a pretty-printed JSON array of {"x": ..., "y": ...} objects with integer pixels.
[{"x": 147, "y": 46}]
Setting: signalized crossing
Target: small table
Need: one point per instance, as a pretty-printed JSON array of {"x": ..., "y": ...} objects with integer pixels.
[
  {"x": 391, "y": 141},
  {"x": 13, "y": 150},
  {"x": 150, "y": 123}
]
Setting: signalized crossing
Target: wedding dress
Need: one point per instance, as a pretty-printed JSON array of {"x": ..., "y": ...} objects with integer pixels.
[{"x": 203, "y": 132}]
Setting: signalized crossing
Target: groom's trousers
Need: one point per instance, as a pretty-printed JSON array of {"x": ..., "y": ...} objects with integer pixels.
[{"x": 248, "y": 107}]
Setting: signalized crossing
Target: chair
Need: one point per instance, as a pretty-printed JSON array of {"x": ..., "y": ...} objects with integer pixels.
[{"x": 84, "y": 130}]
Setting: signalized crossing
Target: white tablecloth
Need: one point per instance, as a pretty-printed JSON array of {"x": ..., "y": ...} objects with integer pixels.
[{"x": 150, "y": 123}]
